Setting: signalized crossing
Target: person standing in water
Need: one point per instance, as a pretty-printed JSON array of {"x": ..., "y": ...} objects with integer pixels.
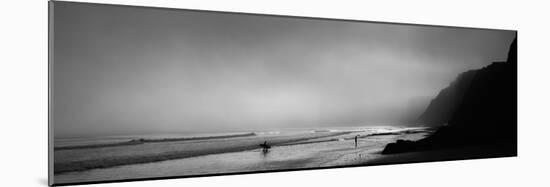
[{"x": 356, "y": 141}]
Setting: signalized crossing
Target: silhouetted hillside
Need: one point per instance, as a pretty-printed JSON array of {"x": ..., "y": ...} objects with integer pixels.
[
  {"x": 441, "y": 108},
  {"x": 480, "y": 108}
]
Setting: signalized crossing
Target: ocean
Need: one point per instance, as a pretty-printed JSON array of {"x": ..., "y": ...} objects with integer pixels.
[{"x": 165, "y": 155}]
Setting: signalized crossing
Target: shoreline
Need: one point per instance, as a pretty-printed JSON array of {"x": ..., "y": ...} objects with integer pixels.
[
  {"x": 82, "y": 165},
  {"x": 305, "y": 154}
]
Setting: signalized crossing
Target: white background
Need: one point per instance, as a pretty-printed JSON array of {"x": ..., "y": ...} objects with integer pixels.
[{"x": 23, "y": 94}]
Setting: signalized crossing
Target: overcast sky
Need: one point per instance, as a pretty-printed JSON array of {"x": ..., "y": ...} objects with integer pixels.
[{"x": 129, "y": 70}]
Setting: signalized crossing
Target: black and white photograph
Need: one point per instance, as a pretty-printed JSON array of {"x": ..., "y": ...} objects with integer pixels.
[{"x": 151, "y": 93}]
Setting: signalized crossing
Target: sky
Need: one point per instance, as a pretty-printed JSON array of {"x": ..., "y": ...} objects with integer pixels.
[{"x": 129, "y": 70}]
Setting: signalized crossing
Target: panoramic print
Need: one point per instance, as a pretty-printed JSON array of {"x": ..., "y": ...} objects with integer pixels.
[{"x": 150, "y": 93}]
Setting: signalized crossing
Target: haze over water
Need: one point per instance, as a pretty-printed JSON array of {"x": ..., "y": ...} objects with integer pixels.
[{"x": 128, "y": 70}]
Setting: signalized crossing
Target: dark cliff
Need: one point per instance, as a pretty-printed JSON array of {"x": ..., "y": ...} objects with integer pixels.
[
  {"x": 441, "y": 108},
  {"x": 478, "y": 108}
]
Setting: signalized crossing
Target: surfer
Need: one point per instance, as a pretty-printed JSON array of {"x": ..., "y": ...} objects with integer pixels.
[{"x": 265, "y": 146}]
